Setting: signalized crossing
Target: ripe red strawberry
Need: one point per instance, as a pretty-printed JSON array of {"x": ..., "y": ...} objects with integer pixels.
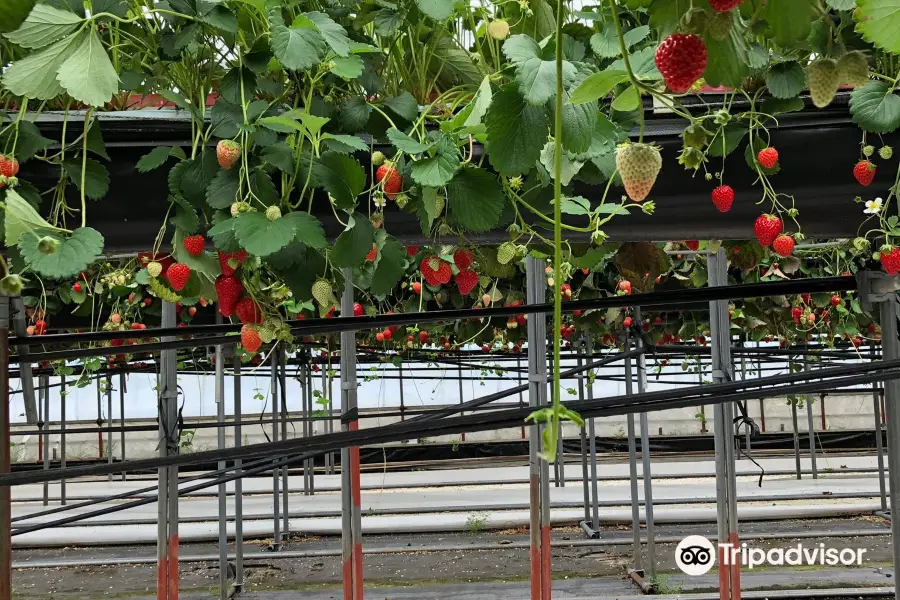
[
  {"x": 723, "y": 198},
  {"x": 627, "y": 322},
  {"x": 890, "y": 261},
  {"x": 40, "y": 327},
  {"x": 373, "y": 254},
  {"x": 412, "y": 250},
  {"x": 681, "y": 58},
  {"x": 229, "y": 290},
  {"x": 724, "y": 5},
  {"x": 416, "y": 287},
  {"x": 463, "y": 258},
  {"x": 250, "y": 339},
  {"x": 227, "y": 153},
  {"x": 836, "y": 300},
  {"x": 693, "y": 245},
  {"x": 768, "y": 157},
  {"x": 435, "y": 270},
  {"x": 358, "y": 309},
  {"x": 864, "y": 172},
  {"x": 230, "y": 261},
  {"x": 767, "y": 228},
  {"x": 9, "y": 166},
  {"x": 389, "y": 179},
  {"x": 76, "y": 287},
  {"x": 194, "y": 244},
  {"x": 247, "y": 311},
  {"x": 783, "y": 245},
  {"x": 796, "y": 313},
  {"x": 466, "y": 281},
  {"x": 423, "y": 337},
  {"x": 178, "y": 276}
]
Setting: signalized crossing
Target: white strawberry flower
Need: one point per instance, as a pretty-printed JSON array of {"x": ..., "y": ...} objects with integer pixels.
[{"x": 873, "y": 206}]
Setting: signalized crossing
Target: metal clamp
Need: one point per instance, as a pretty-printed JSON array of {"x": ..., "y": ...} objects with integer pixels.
[{"x": 874, "y": 287}]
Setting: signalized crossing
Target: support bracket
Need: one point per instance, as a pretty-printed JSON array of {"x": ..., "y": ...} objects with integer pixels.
[{"x": 874, "y": 287}]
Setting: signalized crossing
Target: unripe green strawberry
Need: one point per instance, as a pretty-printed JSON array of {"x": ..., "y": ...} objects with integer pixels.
[
  {"x": 439, "y": 204},
  {"x": 377, "y": 158},
  {"x": 886, "y": 152},
  {"x": 273, "y": 213},
  {"x": 853, "y": 69},
  {"x": 266, "y": 333},
  {"x": 323, "y": 292},
  {"x": 823, "y": 81},
  {"x": 12, "y": 285},
  {"x": 719, "y": 26},
  {"x": 154, "y": 269},
  {"x": 238, "y": 208},
  {"x": 498, "y": 29},
  {"x": 639, "y": 165},
  {"x": 47, "y": 245},
  {"x": 506, "y": 252},
  {"x": 868, "y": 151}
]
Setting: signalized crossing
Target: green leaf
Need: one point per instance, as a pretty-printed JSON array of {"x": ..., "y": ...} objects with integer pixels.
[
  {"x": 185, "y": 218},
  {"x": 299, "y": 47},
  {"x": 729, "y": 61},
  {"x": 878, "y": 21},
  {"x": 354, "y": 243},
  {"x": 788, "y": 20},
  {"x": 308, "y": 229},
  {"x": 260, "y": 236},
  {"x": 390, "y": 266},
  {"x": 537, "y": 79},
  {"x": 436, "y": 9},
  {"x": 605, "y": 43},
  {"x": 198, "y": 174},
  {"x": 43, "y": 26},
  {"x": 604, "y": 137},
  {"x": 875, "y": 107},
  {"x": 230, "y": 87},
  {"x": 404, "y": 106},
  {"x": 35, "y": 75},
  {"x": 569, "y": 169},
  {"x": 335, "y": 35},
  {"x": 347, "y": 68},
  {"x": 516, "y": 132},
  {"x": 263, "y": 187},
  {"x": 480, "y": 103},
  {"x": 345, "y": 144},
  {"x": 428, "y": 210},
  {"x": 72, "y": 256},
  {"x": 222, "y": 190},
  {"x": 28, "y": 139},
  {"x": 628, "y": 100},
  {"x": 596, "y": 86},
  {"x": 96, "y": 177},
  {"x": 20, "y": 217},
  {"x": 354, "y": 115},
  {"x": 521, "y": 48},
  {"x": 206, "y": 263},
  {"x": 279, "y": 155},
  {"x": 154, "y": 159},
  {"x": 576, "y": 205},
  {"x": 311, "y": 122},
  {"x": 642, "y": 63},
  {"x": 475, "y": 200},
  {"x": 578, "y": 126},
  {"x": 841, "y": 4},
  {"x": 437, "y": 170},
  {"x": 221, "y": 18},
  {"x": 774, "y": 106},
  {"x": 88, "y": 75},
  {"x": 341, "y": 176},
  {"x": 95, "y": 142},
  {"x": 786, "y": 80},
  {"x": 404, "y": 143},
  {"x": 223, "y": 235},
  {"x": 733, "y": 134},
  {"x": 282, "y": 124},
  {"x": 387, "y": 22}
]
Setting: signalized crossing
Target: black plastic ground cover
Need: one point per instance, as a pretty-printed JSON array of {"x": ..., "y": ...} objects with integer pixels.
[{"x": 817, "y": 149}]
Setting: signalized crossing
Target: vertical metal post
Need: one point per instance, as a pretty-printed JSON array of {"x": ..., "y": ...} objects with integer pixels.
[
  {"x": 592, "y": 446},
  {"x": 63, "y": 400},
  {"x": 645, "y": 459},
  {"x": 17, "y": 320},
  {"x": 539, "y": 470},
  {"x": 238, "y": 483},
  {"x": 402, "y": 401},
  {"x": 99, "y": 420},
  {"x": 305, "y": 424},
  {"x": 276, "y": 472},
  {"x": 109, "y": 421},
  {"x": 811, "y": 427},
  {"x": 350, "y": 477},
  {"x": 518, "y": 383},
  {"x": 796, "y": 427},
  {"x": 585, "y": 481},
  {"x": 890, "y": 348},
  {"x": 559, "y": 466},
  {"x": 167, "y": 526},
  {"x": 462, "y": 436},
  {"x": 45, "y": 386},
  {"x": 5, "y": 457},
  {"x": 285, "y": 490},
  {"x": 222, "y": 491},
  {"x": 122, "y": 385},
  {"x": 632, "y": 464},
  {"x": 726, "y": 490},
  {"x": 879, "y": 442}
]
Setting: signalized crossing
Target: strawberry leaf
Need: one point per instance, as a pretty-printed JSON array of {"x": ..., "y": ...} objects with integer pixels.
[
  {"x": 260, "y": 236},
  {"x": 516, "y": 132},
  {"x": 786, "y": 80},
  {"x": 88, "y": 75},
  {"x": 390, "y": 266},
  {"x": 354, "y": 243},
  {"x": 20, "y": 217},
  {"x": 73, "y": 254},
  {"x": 206, "y": 263},
  {"x": 96, "y": 177},
  {"x": 475, "y": 200},
  {"x": 308, "y": 229},
  {"x": 35, "y": 75},
  {"x": 875, "y": 107},
  {"x": 879, "y": 23},
  {"x": 341, "y": 176},
  {"x": 43, "y": 26},
  {"x": 222, "y": 190},
  {"x": 299, "y": 47},
  {"x": 436, "y": 9}
]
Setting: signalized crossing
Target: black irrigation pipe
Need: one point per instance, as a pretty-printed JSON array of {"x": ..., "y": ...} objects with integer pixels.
[
  {"x": 710, "y": 394},
  {"x": 588, "y": 408},
  {"x": 328, "y": 326}
]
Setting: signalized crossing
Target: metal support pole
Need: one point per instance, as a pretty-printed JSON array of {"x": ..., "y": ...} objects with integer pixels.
[
  {"x": 592, "y": 446},
  {"x": 632, "y": 466},
  {"x": 351, "y": 520},
  {"x": 223, "y": 492},
  {"x": 462, "y": 436},
  {"x": 518, "y": 383},
  {"x": 645, "y": 460},
  {"x": 811, "y": 427},
  {"x": 726, "y": 490},
  {"x": 276, "y": 472},
  {"x": 539, "y": 470},
  {"x": 167, "y": 524},
  {"x": 238, "y": 483},
  {"x": 306, "y": 376},
  {"x": 879, "y": 442},
  {"x": 25, "y": 373},
  {"x": 99, "y": 420},
  {"x": 585, "y": 481},
  {"x": 796, "y": 431},
  {"x": 402, "y": 401},
  {"x": 5, "y": 457},
  {"x": 122, "y": 385},
  {"x": 285, "y": 490},
  {"x": 45, "y": 387},
  {"x": 890, "y": 349},
  {"x": 109, "y": 420},
  {"x": 559, "y": 466},
  {"x": 62, "y": 437}
]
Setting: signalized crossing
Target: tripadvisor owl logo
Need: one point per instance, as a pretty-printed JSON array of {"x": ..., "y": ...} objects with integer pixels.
[{"x": 695, "y": 555}]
